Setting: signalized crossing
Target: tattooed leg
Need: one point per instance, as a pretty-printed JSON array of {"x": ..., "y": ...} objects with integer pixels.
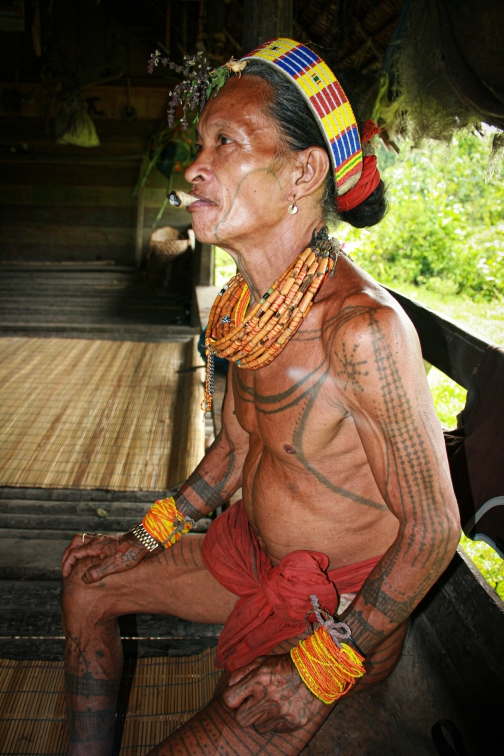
[
  {"x": 93, "y": 668},
  {"x": 215, "y": 732},
  {"x": 174, "y": 582}
]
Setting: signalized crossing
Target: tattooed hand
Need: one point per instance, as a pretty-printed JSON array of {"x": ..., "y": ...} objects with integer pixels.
[
  {"x": 116, "y": 553},
  {"x": 269, "y": 695}
]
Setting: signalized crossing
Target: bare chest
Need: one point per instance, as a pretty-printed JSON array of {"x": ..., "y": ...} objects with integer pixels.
[{"x": 291, "y": 408}]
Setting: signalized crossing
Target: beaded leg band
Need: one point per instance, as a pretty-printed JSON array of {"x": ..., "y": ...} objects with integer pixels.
[
  {"x": 163, "y": 525},
  {"x": 328, "y": 671},
  {"x": 327, "y": 666}
]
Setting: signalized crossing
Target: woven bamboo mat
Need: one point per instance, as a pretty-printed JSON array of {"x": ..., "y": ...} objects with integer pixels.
[
  {"x": 165, "y": 693},
  {"x": 78, "y": 413}
]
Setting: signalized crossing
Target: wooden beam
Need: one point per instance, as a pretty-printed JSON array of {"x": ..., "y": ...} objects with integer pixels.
[
  {"x": 445, "y": 344},
  {"x": 140, "y": 219},
  {"x": 265, "y": 19}
]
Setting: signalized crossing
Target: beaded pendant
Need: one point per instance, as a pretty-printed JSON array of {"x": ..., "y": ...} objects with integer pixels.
[{"x": 253, "y": 340}]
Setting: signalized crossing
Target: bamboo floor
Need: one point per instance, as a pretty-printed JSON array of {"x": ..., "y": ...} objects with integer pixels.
[
  {"x": 165, "y": 693},
  {"x": 93, "y": 414}
]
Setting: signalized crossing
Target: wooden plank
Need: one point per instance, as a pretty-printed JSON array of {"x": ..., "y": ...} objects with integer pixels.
[
  {"x": 74, "y": 196},
  {"x": 14, "y": 130},
  {"x": 61, "y": 234},
  {"x": 109, "y": 147},
  {"x": 78, "y": 252},
  {"x": 76, "y": 216},
  {"x": 205, "y": 257},
  {"x": 102, "y": 158},
  {"x": 79, "y": 174},
  {"x": 149, "y": 103},
  {"x": 77, "y": 495},
  {"x": 476, "y": 606},
  {"x": 445, "y": 344}
]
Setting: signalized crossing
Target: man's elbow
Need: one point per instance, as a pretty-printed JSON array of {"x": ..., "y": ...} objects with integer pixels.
[{"x": 446, "y": 537}]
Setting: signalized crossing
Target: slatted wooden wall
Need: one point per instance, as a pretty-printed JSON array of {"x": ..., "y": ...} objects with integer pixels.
[{"x": 68, "y": 203}]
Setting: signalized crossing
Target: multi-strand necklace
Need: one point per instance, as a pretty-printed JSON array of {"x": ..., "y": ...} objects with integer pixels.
[{"x": 253, "y": 339}]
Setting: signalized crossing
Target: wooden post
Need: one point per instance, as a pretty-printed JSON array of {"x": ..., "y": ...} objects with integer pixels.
[
  {"x": 168, "y": 26},
  {"x": 214, "y": 29},
  {"x": 140, "y": 220},
  {"x": 265, "y": 19}
]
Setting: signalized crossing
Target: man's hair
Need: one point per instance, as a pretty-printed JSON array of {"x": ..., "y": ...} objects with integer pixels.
[{"x": 299, "y": 129}]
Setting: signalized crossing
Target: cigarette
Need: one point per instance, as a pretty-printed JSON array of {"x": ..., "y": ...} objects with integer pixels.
[{"x": 181, "y": 199}]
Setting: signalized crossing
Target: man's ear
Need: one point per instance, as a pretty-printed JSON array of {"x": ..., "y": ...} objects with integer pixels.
[{"x": 312, "y": 167}]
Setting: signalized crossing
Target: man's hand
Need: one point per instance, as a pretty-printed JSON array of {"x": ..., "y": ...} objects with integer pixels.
[
  {"x": 269, "y": 695},
  {"x": 113, "y": 554}
]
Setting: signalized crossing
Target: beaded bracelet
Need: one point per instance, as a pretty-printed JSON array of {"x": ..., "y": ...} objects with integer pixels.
[
  {"x": 165, "y": 523},
  {"x": 328, "y": 671}
]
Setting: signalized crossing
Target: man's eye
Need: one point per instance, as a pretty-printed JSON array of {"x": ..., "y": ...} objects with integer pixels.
[
  {"x": 199, "y": 147},
  {"x": 224, "y": 139}
]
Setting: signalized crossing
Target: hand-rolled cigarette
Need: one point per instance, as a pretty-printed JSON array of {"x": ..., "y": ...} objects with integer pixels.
[{"x": 181, "y": 199}]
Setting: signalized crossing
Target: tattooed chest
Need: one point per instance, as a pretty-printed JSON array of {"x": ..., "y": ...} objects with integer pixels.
[{"x": 294, "y": 421}]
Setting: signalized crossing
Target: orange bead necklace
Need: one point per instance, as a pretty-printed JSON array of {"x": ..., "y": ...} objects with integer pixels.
[{"x": 254, "y": 339}]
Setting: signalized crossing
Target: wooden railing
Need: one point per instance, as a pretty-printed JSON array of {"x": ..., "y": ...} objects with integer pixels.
[{"x": 445, "y": 344}]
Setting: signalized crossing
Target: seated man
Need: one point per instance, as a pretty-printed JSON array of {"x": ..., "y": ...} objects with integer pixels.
[{"x": 327, "y": 425}]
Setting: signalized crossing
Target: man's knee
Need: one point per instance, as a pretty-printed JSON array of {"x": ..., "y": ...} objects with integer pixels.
[{"x": 85, "y": 603}]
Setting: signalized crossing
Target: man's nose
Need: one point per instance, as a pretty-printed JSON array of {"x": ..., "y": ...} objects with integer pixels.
[{"x": 199, "y": 170}]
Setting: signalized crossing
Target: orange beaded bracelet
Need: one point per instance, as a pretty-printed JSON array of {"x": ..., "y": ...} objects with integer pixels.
[
  {"x": 166, "y": 523},
  {"x": 328, "y": 671}
]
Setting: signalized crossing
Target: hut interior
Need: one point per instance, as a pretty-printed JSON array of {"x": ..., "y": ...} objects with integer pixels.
[{"x": 99, "y": 371}]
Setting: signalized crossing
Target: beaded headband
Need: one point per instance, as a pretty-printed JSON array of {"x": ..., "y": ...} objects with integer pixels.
[{"x": 326, "y": 99}]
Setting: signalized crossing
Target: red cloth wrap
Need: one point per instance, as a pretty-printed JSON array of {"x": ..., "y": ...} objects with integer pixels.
[
  {"x": 274, "y": 602},
  {"x": 369, "y": 178}
]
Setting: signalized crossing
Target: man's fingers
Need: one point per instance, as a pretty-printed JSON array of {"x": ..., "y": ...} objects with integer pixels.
[
  {"x": 239, "y": 674},
  {"x": 257, "y": 712},
  {"x": 74, "y": 543},
  {"x": 107, "y": 567},
  {"x": 236, "y": 694},
  {"x": 82, "y": 553},
  {"x": 119, "y": 562}
]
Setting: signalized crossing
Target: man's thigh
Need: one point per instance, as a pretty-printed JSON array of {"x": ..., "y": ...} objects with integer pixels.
[
  {"x": 174, "y": 582},
  {"x": 214, "y": 731}
]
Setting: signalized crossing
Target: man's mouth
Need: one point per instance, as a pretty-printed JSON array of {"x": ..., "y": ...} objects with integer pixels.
[{"x": 200, "y": 202}]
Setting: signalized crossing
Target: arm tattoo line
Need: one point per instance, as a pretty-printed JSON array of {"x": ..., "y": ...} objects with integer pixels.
[
  {"x": 212, "y": 494},
  {"x": 408, "y": 462}
]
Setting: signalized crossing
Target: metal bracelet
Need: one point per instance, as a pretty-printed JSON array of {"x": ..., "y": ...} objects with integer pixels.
[{"x": 144, "y": 537}]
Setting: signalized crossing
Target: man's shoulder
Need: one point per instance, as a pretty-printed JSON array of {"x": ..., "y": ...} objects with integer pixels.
[{"x": 358, "y": 305}]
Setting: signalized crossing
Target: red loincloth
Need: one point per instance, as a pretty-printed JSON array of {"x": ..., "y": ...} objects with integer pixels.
[{"x": 274, "y": 601}]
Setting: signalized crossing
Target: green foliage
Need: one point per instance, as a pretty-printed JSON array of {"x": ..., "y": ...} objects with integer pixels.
[
  {"x": 487, "y": 561},
  {"x": 445, "y": 226},
  {"x": 224, "y": 267},
  {"x": 449, "y": 398}
]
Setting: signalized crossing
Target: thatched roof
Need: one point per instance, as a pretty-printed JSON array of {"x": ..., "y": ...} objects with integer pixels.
[{"x": 426, "y": 67}]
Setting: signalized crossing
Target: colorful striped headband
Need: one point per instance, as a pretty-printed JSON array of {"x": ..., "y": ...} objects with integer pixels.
[{"x": 328, "y": 103}]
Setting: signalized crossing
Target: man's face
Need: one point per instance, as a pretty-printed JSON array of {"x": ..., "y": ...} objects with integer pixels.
[{"x": 241, "y": 181}]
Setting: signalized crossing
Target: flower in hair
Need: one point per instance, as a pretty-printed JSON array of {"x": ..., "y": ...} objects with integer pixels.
[{"x": 198, "y": 84}]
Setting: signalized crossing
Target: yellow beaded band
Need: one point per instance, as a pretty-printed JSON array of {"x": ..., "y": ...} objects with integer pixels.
[
  {"x": 165, "y": 523},
  {"x": 325, "y": 669}
]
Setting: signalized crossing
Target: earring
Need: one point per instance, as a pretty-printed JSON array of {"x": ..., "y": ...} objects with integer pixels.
[{"x": 293, "y": 208}]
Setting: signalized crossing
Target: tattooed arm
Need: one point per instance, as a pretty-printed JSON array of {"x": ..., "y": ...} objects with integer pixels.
[
  {"x": 216, "y": 478},
  {"x": 219, "y": 474},
  {"x": 391, "y": 406}
]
